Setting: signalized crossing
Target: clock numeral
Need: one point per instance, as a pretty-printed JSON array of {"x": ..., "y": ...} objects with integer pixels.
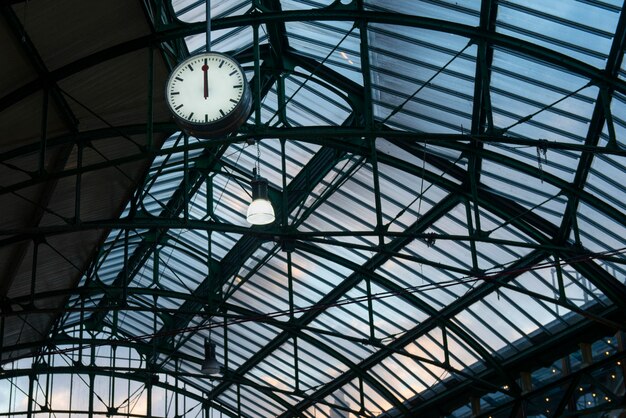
[
  {"x": 178, "y": 78},
  {"x": 233, "y": 73},
  {"x": 206, "y": 117},
  {"x": 190, "y": 115},
  {"x": 222, "y": 112},
  {"x": 233, "y": 100},
  {"x": 178, "y": 107},
  {"x": 221, "y": 63},
  {"x": 238, "y": 86},
  {"x": 190, "y": 67},
  {"x": 174, "y": 93}
]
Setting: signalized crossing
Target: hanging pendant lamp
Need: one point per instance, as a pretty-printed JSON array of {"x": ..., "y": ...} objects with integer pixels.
[
  {"x": 210, "y": 365},
  {"x": 260, "y": 211}
]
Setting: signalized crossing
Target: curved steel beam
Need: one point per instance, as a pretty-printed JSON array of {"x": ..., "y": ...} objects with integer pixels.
[
  {"x": 138, "y": 375},
  {"x": 298, "y": 331},
  {"x": 304, "y": 133},
  {"x": 601, "y": 113},
  {"x": 181, "y": 30},
  {"x": 335, "y": 14},
  {"x": 338, "y": 291},
  {"x": 444, "y": 314},
  {"x": 357, "y": 147}
]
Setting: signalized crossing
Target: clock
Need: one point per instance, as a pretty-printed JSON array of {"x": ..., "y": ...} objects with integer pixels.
[{"x": 208, "y": 94}]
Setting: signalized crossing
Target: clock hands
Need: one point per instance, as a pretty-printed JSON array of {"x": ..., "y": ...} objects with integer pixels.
[
  {"x": 205, "y": 70},
  {"x": 203, "y": 113}
]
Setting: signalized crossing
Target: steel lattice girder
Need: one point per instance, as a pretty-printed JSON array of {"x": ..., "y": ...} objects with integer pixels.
[
  {"x": 180, "y": 30},
  {"x": 484, "y": 35}
]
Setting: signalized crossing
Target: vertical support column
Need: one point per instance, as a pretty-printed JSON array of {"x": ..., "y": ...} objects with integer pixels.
[
  {"x": 81, "y": 328},
  {"x": 518, "y": 410},
  {"x": 149, "y": 396},
  {"x": 621, "y": 345},
  {"x": 238, "y": 400},
  {"x": 290, "y": 286},
  {"x": 31, "y": 385},
  {"x": 11, "y": 393},
  {"x": 129, "y": 394},
  {"x": 78, "y": 185},
  {"x": 33, "y": 283},
  {"x": 285, "y": 200},
  {"x": 2, "y": 319},
  {"x": 470, "y": 230},
  {"x": 608, "y": 115},
  {"x": 226, "y": 342},
  {"x": 150, "y": 116},
  {"x": 361, "y": 394},
  {"x": 368, "y": 114},
  {"x": 209, "y": 199},
  {"x": 446, "y": 348},
  {"x": 368, "y": 111},
  {"x": 152, "y": 359},
  {"x": 587, "y": 356},
  {"x": 155, "y": 264},
  {"x": 559, "y": 278},
  {"x": 568, "y": 398},
  {"x": 574, "y": 219},
  {"x": 49, "y": 383},
  {"x": 296, "y": 363},
  {"x": 208, "y": 25},
  {"x": 175, "y": 393},
  {"x": 379, "y": 207},
  {"x": 485, "y": 111},
  {"x": 475, "y": 404},
  {"x": 126, "y": 275},
  {"x": 296, "y": 366},
  {"x": 526, "y": 381},
  {"x": 92, "y": 379},
  {"x": 282, "y": 98},
  {"x": 370, "y": 308},
  {"x": 44, "y": 132},
  {"x": 257, "y": 76},
  {"x": 158, "y": 15},
  {"x": 71, "y": 395},
  {"x": 481, "y": 113},
  {"x": 112, "y": 362},
  {"x": 566, "y": 369},
  {"x": 257, "y": 90},
  {"x": 184, "y": 400},
  {"x": 186, "y": 179}
]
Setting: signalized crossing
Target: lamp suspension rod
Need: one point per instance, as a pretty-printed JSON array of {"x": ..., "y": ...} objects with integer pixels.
[
  {"x": 258, "y": 157},
  {"x": 208, "y": 25}
]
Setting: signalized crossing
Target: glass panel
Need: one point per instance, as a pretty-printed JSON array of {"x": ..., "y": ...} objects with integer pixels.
[
  {"x": 439, "y": 100},
  {"x": 464, "y": 11},
  {"x": 334, "y": 44},
  {"x": 580, "y": 30}
]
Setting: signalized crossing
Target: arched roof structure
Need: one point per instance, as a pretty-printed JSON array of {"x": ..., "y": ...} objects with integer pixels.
[{"x": 448, "y": 181}]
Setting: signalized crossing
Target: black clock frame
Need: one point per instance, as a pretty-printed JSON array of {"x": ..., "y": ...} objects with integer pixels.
[{"x": 227, "y": 124}]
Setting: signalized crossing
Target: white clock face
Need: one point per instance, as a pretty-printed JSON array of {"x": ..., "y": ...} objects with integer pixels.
[{"x": 205, "y": 88}]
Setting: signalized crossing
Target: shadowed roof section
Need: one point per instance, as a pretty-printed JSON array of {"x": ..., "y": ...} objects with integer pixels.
[
  {"x": 447, "y": 178},
  {"x": 53, "y": 170}
]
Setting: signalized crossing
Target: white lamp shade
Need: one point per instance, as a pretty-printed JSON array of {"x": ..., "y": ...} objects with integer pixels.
[
  {"x": 260, "y": 212},
  {"x": 210, "y": 365}
]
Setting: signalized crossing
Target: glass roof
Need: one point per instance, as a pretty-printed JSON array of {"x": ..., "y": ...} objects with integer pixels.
[{"x": 448, "y": 185}]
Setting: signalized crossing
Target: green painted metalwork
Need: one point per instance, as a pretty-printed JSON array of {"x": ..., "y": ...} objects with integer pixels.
[
  {"x": 596, "y": 125},
  {"x": 357, "y": 139}
]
